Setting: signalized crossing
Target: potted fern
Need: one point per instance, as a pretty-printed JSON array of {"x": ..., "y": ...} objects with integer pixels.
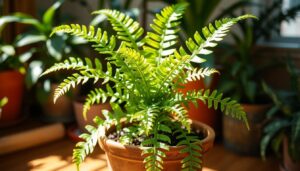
[{"x": 148, "y": 127}]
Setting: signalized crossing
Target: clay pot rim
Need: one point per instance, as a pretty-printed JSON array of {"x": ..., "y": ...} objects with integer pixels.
[{"x": 207, "y": 142}]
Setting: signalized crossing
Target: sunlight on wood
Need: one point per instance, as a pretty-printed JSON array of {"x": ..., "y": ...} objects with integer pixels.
[
  {"x": 208, "y": 169},
  {"x": 57, "y": 163}
]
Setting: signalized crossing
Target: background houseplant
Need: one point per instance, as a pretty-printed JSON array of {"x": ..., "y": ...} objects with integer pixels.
[
  {"x": 47, "y": 51},
  {"x": 144, "y": 75},
  {"x": 282, "y": 131},
  {"x": 243, "y": 68}
]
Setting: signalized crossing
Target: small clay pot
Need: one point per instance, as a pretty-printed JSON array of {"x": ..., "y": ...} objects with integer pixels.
[
  {"x": 238, "y": 138},
  {"x": 128, "y": 157},
  {"x": 12, "y": 87},
  {"x": 288, "y": 164}
]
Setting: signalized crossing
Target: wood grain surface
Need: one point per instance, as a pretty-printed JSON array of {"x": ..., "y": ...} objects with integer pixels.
[{"x": 57, "y": 156}]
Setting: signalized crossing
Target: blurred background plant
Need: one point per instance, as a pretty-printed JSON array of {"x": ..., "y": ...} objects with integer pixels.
[
  {"x": 282, "y": 131},
  {"x": 243, "y": 79},
  {"x": 46, "y": 50}
]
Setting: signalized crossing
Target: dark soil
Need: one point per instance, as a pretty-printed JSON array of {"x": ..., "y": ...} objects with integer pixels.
[{"x": 115, "y": 136}]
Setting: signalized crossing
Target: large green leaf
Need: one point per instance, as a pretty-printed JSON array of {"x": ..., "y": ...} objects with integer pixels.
[
  {"x": 21, "y": 18},
  {"x": 34, "y": 71},
  {"x": 7, "y": 49},
  {"x": 29, "y": 38},
  {"x": 55, "y": 47},
  {"x": 49, "y": 14}
]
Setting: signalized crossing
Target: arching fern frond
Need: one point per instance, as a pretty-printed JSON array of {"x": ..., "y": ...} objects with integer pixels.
[
  {"x": 152, "y": 147},
  {"x": 161, "y": 41},
  {"x": 101, "y": 42},
  {"x": 180, "y": 113},
  {"x": 84, "y": 148},
  {"x": 87, "y": 146},
  {"x": 81, "y": 78},
  {"x": 127, "y": 29},
  {"x": 68, "y": 83},
  {"x": 73, "y": 64},
  {"x": 198, "y": 73},
  {"x": 148, "y": 119},
  {"x": 98, "y": 95},
  {"x": 192, "y": 161},
  {"x": 215, "y": 100},
  {"x": 170, "y": 69},
  {"x": 137, "y": 67},
  {"x": 211, "y": 34}
]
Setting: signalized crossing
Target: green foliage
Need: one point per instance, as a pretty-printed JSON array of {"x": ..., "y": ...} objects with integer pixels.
[
  {"x": 3, "y": 101},
  {"x": 97, "y": 37},
  {"x": 48, "y": 50},
  {"x": 242, "y": 79},
  {"x": 143, "y": 76},
  {"x": 284, "y": 117},
  {"x": 192, "y": 148}
]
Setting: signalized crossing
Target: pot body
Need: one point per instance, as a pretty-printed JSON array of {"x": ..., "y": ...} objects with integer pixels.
[
  {"x": 238, "y": 138},
  {"x": 128, "y": 157},
  {"x": 94, "y": 111},
  {"x": 11, "y": 86},
  {"x": 288, "y": 164}
]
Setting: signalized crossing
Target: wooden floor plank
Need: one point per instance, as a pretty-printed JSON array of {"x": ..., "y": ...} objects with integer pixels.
[{"x": 57, "y": 156}]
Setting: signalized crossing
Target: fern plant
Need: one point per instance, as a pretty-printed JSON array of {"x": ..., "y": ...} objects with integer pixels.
[{"x": 142, "y": 78}]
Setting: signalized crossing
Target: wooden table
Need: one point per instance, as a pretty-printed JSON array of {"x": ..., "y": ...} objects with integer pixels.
[{"x": 57, "y": 156}]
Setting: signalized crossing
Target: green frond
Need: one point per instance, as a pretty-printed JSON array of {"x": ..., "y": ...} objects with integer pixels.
[
  {"x": 170, "y": 69},
  {"x": 132, "y": 62},
  {"x": 127, "y": 29},
  {"x": 192, "y": 161},
  {"x": 214, "y": 100},
  {"x": 87, "y": 146},
  {"x": 100, "y": 40},
  {"x": 180, "y": 113},
  {"x": 73, "y": 64},
  {"x": 198, "y": 73},
  {"x": 165, "y": 27},
  {"x": 152, "y": 147},
  {"x": 148, "y": 119},
  {"x": 209, "y": 37},
  {"x": 68, "y": 83},
  {"x": 98, "y": 96}
]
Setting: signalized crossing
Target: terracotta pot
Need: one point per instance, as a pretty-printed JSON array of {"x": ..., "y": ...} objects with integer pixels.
[
  {"x": 11, "y": 86},
  {"x": 95, "y": 110},
  {"x": 238, "y": 138},
  {"x": 61, "y": 111},
  {"x": 202, "y": 113},
  {"x": 128, "y": 157},
  {"x": 288, "y": 163}
]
